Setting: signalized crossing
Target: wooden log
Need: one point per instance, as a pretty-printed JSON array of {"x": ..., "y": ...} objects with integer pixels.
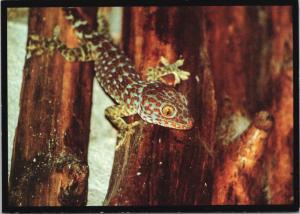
[
  {"x": 254, "y": 74},
  {"x": 157, "y": 165},
  {"x": 49, "y": 162},
  {"x": 280, "y": 153},
  {"x": 234, "y": 172},
  {"x": 236, "y": 52}
]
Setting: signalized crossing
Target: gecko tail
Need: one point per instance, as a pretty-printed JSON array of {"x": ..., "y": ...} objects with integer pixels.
[
  {"x": 103, "y": 27},
  {"x": 80, "y": 25}
]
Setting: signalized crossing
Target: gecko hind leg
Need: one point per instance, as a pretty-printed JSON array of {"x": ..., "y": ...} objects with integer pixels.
[
  {"x": 38, "y": 45},
  {"x": 156, "y": 73}
]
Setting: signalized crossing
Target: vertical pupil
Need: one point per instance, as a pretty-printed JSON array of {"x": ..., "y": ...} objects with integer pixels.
[{"x": 168, "y": 110}]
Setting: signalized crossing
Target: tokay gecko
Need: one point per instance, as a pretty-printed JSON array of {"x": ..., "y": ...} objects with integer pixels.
[{"x": 152, "y": 99}]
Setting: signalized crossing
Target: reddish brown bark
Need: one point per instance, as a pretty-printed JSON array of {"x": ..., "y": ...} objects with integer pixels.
[
  {"x": 234, "y": 173},
  {"x": 49, "y": 163},
  {"x": 280, "y": 146},
  {"x": 238, "y": 60},
  {"x": 160, "y": 166},
  {"x": 258, "y": 58}
]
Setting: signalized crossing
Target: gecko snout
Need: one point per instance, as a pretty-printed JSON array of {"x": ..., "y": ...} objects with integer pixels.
[{"x": 191, "y": 122}]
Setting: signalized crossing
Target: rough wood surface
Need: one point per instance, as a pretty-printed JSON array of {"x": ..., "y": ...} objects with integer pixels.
[
  {"x": 240, "y": 94},
  {"x": 49, "y": 163},
  {"x": 160, "y": 166},
  {"x": 240, "y": 61},
  {"x": 253, "y": 72},
  {"x": 235, "y": 172},
  {"x": 280, "y": 151}
]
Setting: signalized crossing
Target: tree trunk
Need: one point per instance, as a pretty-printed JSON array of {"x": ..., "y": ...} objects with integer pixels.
[
  {"x": 280, "y": 153},
  {"x": 161, "y": 166},
  {"x": 49, "y": 162},
  {"x": 240, "y": 60}
]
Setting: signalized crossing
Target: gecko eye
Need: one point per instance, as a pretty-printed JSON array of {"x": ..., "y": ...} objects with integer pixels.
[{"x": 168, "y": 111}]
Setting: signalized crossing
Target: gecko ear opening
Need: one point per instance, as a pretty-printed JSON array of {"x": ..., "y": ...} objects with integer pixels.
[{"x": 183, "y": 98}]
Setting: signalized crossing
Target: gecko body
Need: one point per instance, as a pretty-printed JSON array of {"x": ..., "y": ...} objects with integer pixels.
[{"x": 154, "y": 101}]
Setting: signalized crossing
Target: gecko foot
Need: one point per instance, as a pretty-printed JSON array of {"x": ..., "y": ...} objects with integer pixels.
[
  {"x": 166, "y": 68},
  {"x": 126, "y": 133}
]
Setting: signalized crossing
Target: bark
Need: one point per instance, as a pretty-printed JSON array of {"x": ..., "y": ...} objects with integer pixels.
[
  {"x": 161, "y": 166},
  {"x": 280, "y": 153},
  {"x": 240, "y": 61},
  {"x": 240, "y": 95},
  {"x": 49, "y": 162},
  {"x": 255, "y": 74},
  {"x": 235, "y": 173}
]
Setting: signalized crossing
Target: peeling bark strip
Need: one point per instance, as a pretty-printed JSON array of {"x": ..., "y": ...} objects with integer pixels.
[
  {"x": 161, "y": 166},
  {"x": 234, "y": 171},
  {"x": 49, "y": 163}
]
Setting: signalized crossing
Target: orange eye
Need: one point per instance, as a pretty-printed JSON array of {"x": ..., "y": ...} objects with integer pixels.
[{"x": 168, "y": 111}]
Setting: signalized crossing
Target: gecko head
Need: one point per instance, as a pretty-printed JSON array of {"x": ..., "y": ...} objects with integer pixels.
[{"x": 163, "y": 105}]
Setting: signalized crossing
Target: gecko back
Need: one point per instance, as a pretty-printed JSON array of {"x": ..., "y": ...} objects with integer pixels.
[
  {"x": 152, "y": 100},
  {"x": 114, "y": 70}
]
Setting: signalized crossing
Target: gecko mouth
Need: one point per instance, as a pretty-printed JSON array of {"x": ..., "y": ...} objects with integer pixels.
[
  {"x": 181, "y": 126},
  {"x": 185, "y": 126}
]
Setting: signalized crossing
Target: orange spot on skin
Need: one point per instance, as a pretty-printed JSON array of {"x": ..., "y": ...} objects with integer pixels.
[
  {"x": 159, "y": 97},
  {"x": 147, "y": 108},
  {"x": 173, "y": 123},
  {"x": 131, "y": 101},
  {"x": 152, "y": 100},
  {"x": 156, "y": 110}
]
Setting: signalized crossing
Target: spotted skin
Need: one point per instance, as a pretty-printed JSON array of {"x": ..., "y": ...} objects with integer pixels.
[
  {"x": 155, "y": 97},
  {"x": 152, "y": 99}
]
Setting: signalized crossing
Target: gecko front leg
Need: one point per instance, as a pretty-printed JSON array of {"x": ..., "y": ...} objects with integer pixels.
[
  {"x": 115, "y": 114},
  {"x": 156, "y": 73}
]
